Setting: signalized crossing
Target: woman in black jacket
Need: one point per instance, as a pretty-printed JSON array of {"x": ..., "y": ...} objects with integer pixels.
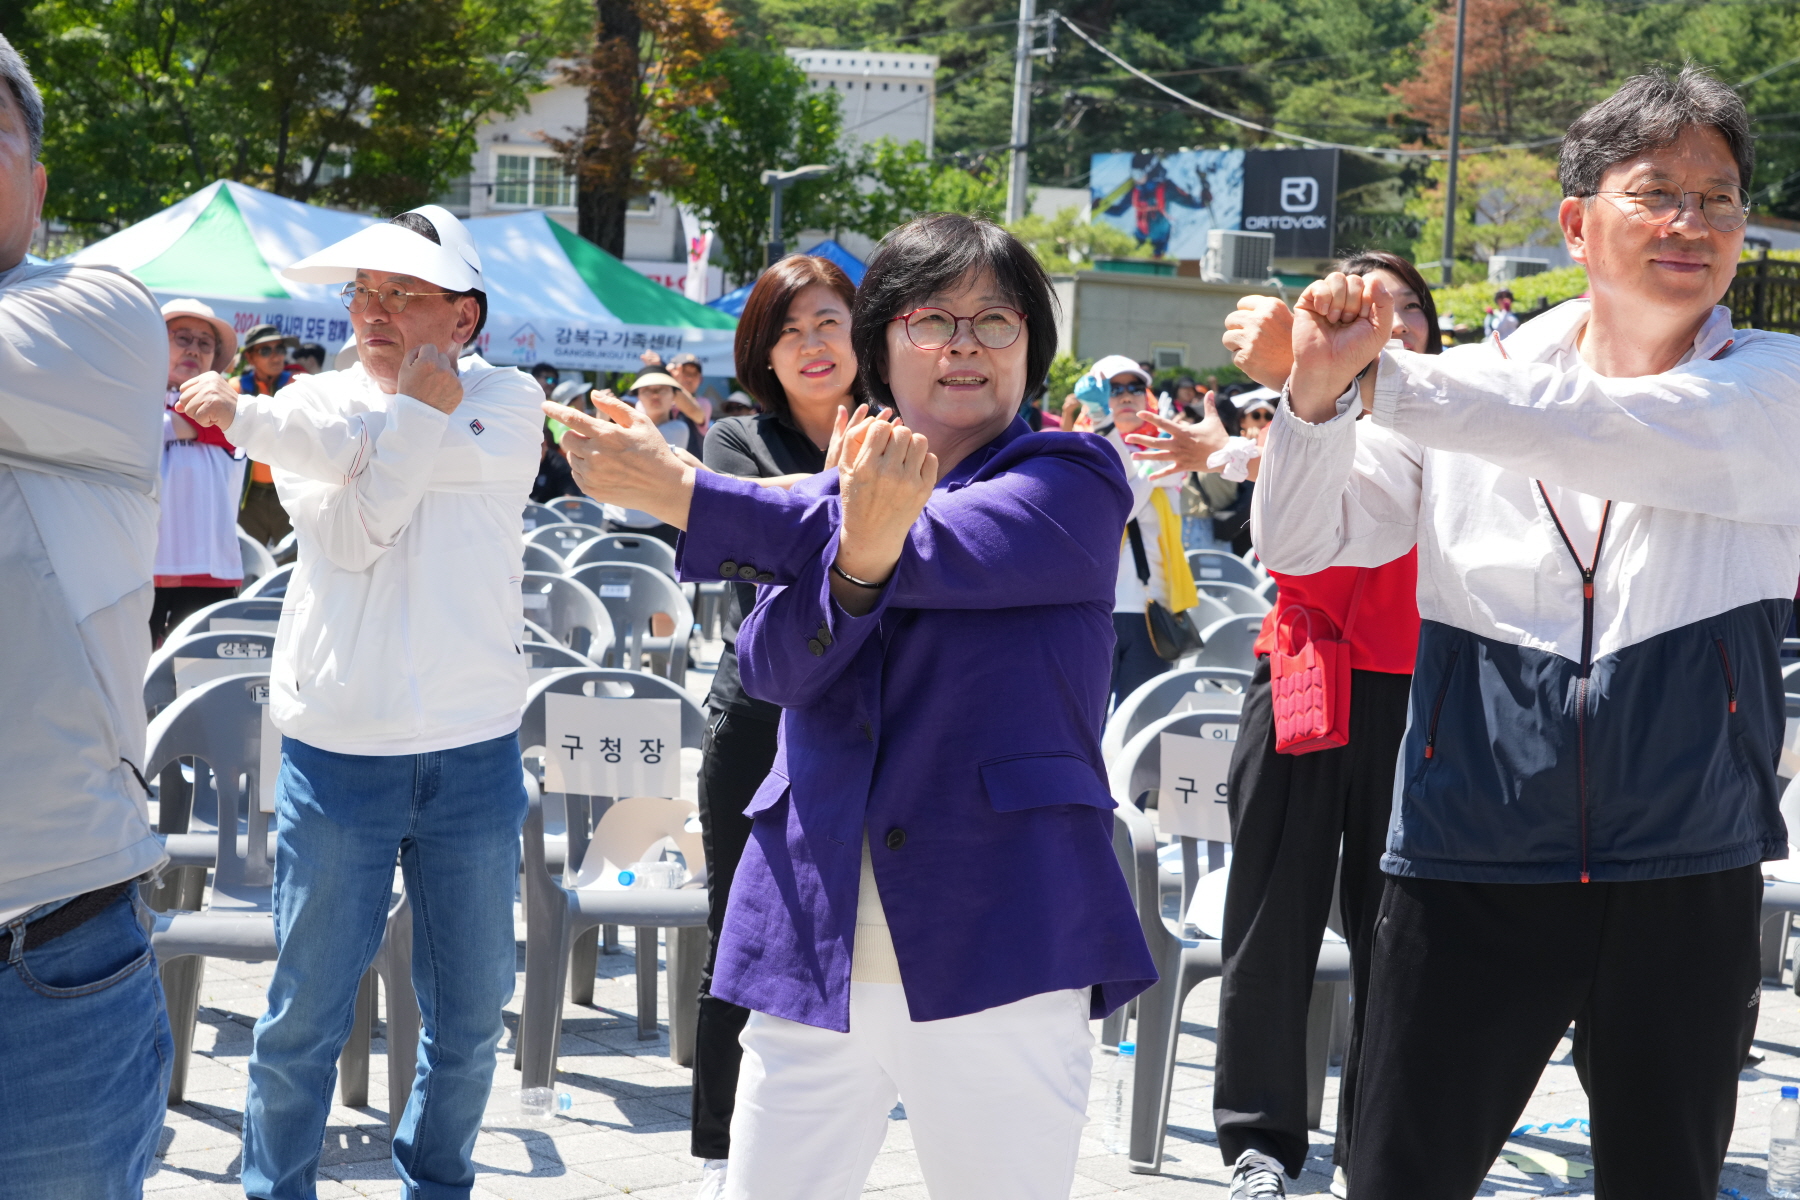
[{"x": 793, "y": 355}]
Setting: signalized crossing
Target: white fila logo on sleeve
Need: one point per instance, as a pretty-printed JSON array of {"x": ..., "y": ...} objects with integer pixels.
[{"x": 477, "y": 427}]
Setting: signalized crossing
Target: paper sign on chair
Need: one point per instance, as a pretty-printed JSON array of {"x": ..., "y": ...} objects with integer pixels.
[{"x": 600, "y": 746}]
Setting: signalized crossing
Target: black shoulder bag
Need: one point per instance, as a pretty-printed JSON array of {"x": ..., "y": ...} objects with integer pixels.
[{"x": 1172, "y": 634}]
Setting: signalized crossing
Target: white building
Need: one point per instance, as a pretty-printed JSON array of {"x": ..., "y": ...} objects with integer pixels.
[{"x": 882, "y": 94}]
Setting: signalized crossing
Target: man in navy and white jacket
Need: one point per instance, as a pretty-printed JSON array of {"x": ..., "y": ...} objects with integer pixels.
[{"x": 1607, "y": 510}]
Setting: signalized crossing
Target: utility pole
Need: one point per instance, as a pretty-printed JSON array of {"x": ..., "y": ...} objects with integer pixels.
[
  {"x": 778, "y": 182},
  {"x": 1449, "y": 256},
  {"x": 1016, "y": 177}
]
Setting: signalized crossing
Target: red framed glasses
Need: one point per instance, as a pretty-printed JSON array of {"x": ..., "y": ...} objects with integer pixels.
[{"x": 934, "y": 328}]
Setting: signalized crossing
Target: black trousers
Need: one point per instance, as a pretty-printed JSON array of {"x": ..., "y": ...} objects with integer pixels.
[
  {"x": 1473, "y": 984},
  {"x": 1135, "y": 661},
  {"x": 173, "y": 605},
  {"x": 1289, "y": 814},
  {"x": 738, "y": 753}
]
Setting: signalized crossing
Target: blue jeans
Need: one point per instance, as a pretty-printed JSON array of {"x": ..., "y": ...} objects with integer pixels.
[
  {"x": 84, "y": 1062},
  {"x": 453, "y": 818}
]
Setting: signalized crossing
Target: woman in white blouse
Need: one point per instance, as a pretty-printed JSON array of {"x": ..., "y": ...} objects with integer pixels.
[{"x": 197, "y": 557}]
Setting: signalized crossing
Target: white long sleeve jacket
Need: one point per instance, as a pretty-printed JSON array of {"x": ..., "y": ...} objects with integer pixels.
[
  {"x": 400, "y": 630},
  {"x": 1556, "y": 735}
]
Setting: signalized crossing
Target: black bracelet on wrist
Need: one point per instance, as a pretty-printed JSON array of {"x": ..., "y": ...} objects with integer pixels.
[{"x": 851, "y": 579}]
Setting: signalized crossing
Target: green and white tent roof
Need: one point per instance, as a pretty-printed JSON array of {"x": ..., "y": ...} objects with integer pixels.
[{"x": 552, "y": 296}]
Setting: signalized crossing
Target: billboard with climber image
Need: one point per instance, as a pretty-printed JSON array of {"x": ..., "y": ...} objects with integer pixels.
[{"x": 1169, "y": 201}]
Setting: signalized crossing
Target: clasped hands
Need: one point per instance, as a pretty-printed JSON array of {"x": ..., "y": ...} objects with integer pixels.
[
  {"x": 1337, "y": 327},
  {"x": 885, "y": 475}
]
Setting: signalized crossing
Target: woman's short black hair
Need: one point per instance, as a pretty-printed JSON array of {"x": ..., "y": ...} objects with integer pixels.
[{"x": 932, "y": 254}]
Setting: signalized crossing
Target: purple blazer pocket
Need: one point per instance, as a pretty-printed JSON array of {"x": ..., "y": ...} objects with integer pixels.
[
  {"x": 773, "y": 791},
  {"x": 1022, "y": 781}
]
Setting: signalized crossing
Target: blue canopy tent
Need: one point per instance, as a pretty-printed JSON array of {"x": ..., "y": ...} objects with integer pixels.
[{"x": 733, "y": 302}]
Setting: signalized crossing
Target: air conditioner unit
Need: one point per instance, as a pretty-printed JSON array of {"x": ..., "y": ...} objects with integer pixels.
[
  {"x": 1233, "y": 256},
  {"x": 1504, "y": 268}
]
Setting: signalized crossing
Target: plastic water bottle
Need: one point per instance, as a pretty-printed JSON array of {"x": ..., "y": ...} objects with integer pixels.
[
  {"x": 665, "y": 874},
  {"x": 1784, "y": 1146},
  {"x": 1115, "y": 1101},
  {"x": 541, "y": 1106}
]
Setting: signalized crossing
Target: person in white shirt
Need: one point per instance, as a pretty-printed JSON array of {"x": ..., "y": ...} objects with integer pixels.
[
  {"x": 1152, "y": 564},
  {"x": 197, "y": 557},
  {"x": 1607, "y": 511},
  {"x": 397, "y": 685},
  {"x": 84, "y": 1037}
]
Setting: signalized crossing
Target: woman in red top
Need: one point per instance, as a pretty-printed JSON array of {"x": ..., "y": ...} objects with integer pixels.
[{"x": 1289, "y": 813}]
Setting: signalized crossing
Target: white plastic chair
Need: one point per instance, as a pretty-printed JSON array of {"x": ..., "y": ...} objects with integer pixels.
[
  {"x": 580, "y": 509},
  {"x": 540, "y": 514},
  {"x": 220, "y": 724},
  {"x": 1234, "y": 596},
  {"x": 258, "y": 562},
  {"x": 1189, "y": 689},
  {"x": 563, "y": 921},
  {"x": 625, "y": 547},
  {"x": 1230, "y": 642},
  {"x": 1183, "y": 963},
  {"x": 287, "y": 549},
  {"x": 542, "y": 558},
  {"x": 247, "y": 614},
  {"x": 273, "y": 585},
  {"x": 569, "y": 611},
  {"x": 563, "y": 539},
  {"x": 649, "y": 615},
  {"x": 1216, "y": 566},
  {"x": 189, "y": 661}
]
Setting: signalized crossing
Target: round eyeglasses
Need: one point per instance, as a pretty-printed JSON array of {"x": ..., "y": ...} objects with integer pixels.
[
  {"x": 934, "y": 328},
  {"x": 1136, "y": 387},
  {"x": 394, "y": 298},
  {"x": 1660, "y": 202}
]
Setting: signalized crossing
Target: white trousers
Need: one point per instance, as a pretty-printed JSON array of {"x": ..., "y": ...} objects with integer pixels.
[{"x": 995, "y": 1101}]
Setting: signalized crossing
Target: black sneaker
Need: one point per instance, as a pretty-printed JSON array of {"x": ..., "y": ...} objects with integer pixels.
[{"x": 1256, "y": 1175}]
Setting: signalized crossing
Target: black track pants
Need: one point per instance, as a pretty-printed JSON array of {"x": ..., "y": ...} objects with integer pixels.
[
  {"x": 1472, "y": 984},
  {"x": 738, "y": 753},
  {"x": 1289, "y": 814}
]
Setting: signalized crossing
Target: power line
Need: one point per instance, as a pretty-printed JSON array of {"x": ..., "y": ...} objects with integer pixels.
[{"x": 1292, "y": 137}]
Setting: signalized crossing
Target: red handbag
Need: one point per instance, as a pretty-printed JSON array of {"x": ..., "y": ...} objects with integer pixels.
[{"x": 1310, "y": 679}]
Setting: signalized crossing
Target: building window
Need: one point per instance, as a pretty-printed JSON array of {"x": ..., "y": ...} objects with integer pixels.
[
  {"x": 552, "y": 184},
  {"x": 512, "y": 179},
  {"x": 536, "y": 181}
]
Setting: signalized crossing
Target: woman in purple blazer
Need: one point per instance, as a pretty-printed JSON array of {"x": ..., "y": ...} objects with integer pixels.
[{"x": 929, "y": 908}]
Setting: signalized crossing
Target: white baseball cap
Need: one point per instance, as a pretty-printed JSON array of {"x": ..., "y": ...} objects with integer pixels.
[
  {"x": 1118, "y": 364},
  {"x": 451, "y": 262},
  {"x": 1263, "y": 397}
]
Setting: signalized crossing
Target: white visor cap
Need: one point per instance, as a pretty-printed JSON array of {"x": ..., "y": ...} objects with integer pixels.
[{"x": 453, "y": 265}]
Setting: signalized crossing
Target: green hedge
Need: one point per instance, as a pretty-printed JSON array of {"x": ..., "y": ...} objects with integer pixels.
[{"x": 1468, "y": 303}]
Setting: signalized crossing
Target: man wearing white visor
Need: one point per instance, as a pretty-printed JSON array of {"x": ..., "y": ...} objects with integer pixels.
[{"x": 396, "y": 684}]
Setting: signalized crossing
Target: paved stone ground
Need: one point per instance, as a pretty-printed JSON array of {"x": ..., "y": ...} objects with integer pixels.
[{"x": 628, "y": 1131}]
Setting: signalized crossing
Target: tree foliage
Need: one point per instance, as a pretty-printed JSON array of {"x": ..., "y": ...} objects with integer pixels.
[
  {"x": 1503, "y": 201},
  {"x": 643, "y": 58},
  {"x": 363, "y": 103},
  {"x": 1066, "y": 242},
  {"x": 761, "y": 115}
]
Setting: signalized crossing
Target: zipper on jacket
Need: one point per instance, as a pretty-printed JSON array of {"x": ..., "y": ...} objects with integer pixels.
[
  {"x": 1587, "y": 657},
  {"x": 1438, "y": 708},
  {"x": 1730, "y": 680}
]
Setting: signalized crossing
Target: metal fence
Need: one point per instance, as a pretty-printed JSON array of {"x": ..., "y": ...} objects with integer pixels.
[{"x": 1766, "y": 295}]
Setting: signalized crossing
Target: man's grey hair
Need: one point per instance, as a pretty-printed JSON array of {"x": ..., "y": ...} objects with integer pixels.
[
  {"x": 1649, "y": 112},
  {"x": 18, "y": 78}
]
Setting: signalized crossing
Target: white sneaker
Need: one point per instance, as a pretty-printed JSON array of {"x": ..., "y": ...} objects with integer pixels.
[
  {"x": 1340, "y": 1185},
  {"x": 712, "y": 1179},
  {"x": 1256, "y": 1175}
]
